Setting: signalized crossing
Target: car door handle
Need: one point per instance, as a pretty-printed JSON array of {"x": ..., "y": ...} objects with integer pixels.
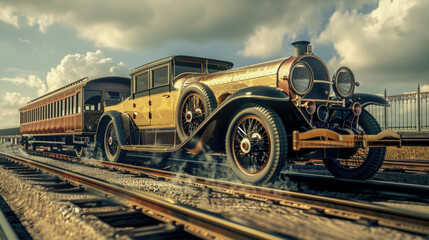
[{"x": 166, "y": 95}]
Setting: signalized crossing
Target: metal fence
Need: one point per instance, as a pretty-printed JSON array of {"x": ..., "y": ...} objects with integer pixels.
[{"x": 408, "y": 111}]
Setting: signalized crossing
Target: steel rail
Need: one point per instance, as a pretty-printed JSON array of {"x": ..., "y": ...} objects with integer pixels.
[
  {"x": 6, "y": 229},
  {"x": 406, "y": 163},
  {"x": 193, "y": 219},
  {"x": 401, "y": 219},
  {"x": 409, "y": 164}
]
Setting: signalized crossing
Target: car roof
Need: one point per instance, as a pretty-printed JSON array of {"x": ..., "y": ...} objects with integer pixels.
[{"x": 171, "y": 58}]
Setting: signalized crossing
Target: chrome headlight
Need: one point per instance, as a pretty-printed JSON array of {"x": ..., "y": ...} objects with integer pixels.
[
  {"x": 343, "y": 82},
  {"x": 301, "y": 78}
]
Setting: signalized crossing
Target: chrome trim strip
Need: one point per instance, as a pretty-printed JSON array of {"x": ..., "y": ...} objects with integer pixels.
[{"x": 323, "y": 81}]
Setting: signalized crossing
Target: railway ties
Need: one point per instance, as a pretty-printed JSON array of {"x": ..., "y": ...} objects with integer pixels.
[
  {"x": 331, "y": 207},
  {"x": 334, "y": 208},
  {"x": 140, "y": 214}
]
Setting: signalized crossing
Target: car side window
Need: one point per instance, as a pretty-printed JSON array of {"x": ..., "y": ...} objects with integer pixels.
[
  {"x": 142, "y": 82},
  {"x": 160, "y": 77}
]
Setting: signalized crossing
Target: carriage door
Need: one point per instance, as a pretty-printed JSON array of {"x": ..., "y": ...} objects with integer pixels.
[{"x": 161, "y": 99}]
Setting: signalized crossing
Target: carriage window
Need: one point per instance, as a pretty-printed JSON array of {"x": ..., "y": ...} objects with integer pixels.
[
  {"x": 78, "y": 102},
  {"x": 160, "y": 77},
  {"x": 117, "y": 96},
  {"x": 184, "y": 66},
  {"x": 142, "y": 82},
  {"x": 57, "y": 109},
  {"x": 92, "y": 100},
  {"x": 73, "y": 104},
  {"x": 62, "y": 108},
  {"x": 67, "y": 106},
  {"x": 70, "y": 105}
]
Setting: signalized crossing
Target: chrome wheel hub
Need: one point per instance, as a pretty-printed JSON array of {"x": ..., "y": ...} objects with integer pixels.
[
  {"x": 188, "y": 116},
  {"x": 110, "y": 141},
  {"x": 245, "y": 145}
]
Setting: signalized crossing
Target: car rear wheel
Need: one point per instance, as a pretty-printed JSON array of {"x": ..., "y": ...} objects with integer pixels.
[
  {"x": 195, "y": 104},
  {"x": 256, "y": 144},
  {"x": 363, "y": 162},
  {"x": 112, "y": 149}
]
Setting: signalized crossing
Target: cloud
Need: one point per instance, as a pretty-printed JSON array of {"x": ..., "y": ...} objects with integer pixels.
[
  {"x": 132, "y": 24},
  {"x": 32, "y": 81},
  {"x": 15, "y": 99},
  {"x": 71, "y": 68},
  {"x": 387, "y": 45},
  {"x": 76, "y": 66},
  {"x": 9, "y": 16},
  {"x": 9, "y": 115},
  {"x": 265, "y": 42}
]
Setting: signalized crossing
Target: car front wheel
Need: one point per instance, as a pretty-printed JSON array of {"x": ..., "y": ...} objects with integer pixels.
[
  {"x": 112, "y": 149},
  {"x": 362, "y": 162},
  {"x": 256, "y": 144}
]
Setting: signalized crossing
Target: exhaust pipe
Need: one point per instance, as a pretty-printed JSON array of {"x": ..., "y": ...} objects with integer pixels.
[{"x": 302, "y": 47}]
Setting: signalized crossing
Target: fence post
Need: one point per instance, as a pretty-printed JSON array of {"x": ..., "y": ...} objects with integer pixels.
[
  {"x": 419, "y": 126},
  {"x": 385, "y": 110}
]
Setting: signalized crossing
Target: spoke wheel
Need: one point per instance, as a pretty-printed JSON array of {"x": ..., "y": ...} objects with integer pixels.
[
  {"x": 362, "y": 162},
  {"x": 112, "y": 147},
  {"x": 256, "y": 144},
  {"x": 251, "y": 144},
  {"x": 195, "y": 104},
  {"x": 193, "y": 113}
]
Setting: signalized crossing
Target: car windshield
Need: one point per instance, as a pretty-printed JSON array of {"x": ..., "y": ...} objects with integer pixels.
[{"x": 182, "y": 66}]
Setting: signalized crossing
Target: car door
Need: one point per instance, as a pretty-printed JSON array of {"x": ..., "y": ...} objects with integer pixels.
[
  {"x": 138, "y": 106},
  {"x": 161, "y": 98}
]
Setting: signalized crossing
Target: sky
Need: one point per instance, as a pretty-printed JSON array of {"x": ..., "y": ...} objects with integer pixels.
[{"x": 46, "y": 44}]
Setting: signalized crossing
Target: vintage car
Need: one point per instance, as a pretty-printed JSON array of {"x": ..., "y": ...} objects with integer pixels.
[{"x": 259, "y": 116}]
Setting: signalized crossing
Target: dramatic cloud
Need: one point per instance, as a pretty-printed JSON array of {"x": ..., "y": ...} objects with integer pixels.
[
  {"x": 387, "y": 45},
  {"x": 143, "y": 24},
  {"x": 10, "y": 102},
  {"x": 71, "y": 68},
  {"x": 15, "y": 99},
  {"x": 76, "y": 66},
  {"x": 7, "y": 15},
  {"x": 32, "y": 81}
]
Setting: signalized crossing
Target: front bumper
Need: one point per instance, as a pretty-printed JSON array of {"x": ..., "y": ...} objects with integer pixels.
[{"x": 324, "y": 138}]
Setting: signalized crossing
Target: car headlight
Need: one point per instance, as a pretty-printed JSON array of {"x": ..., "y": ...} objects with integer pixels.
[
  {"x": 301, "y": 78},
  {"x": 344, "y": 82}
]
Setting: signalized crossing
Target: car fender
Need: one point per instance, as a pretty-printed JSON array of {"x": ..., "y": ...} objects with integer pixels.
[
  {"x": 122, "y": 122},
  {"x": 370, "y": 99},
  {"x": 214, "y": 127}
]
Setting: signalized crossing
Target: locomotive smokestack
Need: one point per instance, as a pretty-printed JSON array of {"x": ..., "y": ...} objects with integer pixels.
[{"x": 301, "y": 47}]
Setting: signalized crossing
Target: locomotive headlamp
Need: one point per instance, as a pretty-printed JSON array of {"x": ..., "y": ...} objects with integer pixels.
[
  {"x": 301, "y": 78},
  {"x": 343, "y": 82}
]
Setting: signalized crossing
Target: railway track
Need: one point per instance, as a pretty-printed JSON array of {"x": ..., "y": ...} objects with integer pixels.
[
  {"x": 200, "y": 223},
  {"x": 361, "y": 212},
  {"x": 412, "y": 165}
]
